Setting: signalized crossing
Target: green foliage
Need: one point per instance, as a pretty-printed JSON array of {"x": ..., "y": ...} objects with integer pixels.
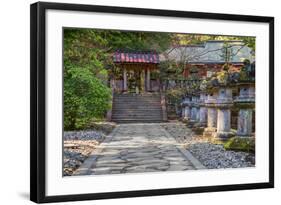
[
  {"x": 175, "y": 95},
  {"x": 88, "y": 63},
  {"x": 203, "y": 85},
  {"x": 87, "y": 59},
  {"x": 246, "y": 144},
  {"x": 246, "y": 73},
  {"x": 140, "y": 41},
  {"x": 85, "y": 97},
  {"x": 223, "y": 77},
  {"x": 250, "y": 42},
  {"x": 85, "y": 48}
]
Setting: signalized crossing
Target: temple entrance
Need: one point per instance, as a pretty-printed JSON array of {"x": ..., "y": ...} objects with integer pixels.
[
  {"x": 135, "y": 79},
  {"x": 137, "y": 72}
]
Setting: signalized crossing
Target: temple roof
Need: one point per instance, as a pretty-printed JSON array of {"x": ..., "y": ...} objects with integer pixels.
[
  {"x": 135, "y": 57},
  {"x": 209, "y": 52},
  {"x": 205, "y": 53}
]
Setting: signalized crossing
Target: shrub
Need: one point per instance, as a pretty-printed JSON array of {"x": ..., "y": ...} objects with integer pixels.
[
  {"x": 85, "y": 97},
  {"x": 246, "y": 144}
]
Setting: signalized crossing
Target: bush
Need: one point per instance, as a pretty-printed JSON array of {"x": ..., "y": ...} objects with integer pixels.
[
  {"x": 175, "y": 95},
  {"x": 85, "y": 97},
  {"x": 246, "y": 144}
]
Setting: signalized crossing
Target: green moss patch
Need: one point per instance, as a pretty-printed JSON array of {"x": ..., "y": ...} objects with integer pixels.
[{"x": 245, "y": 144}]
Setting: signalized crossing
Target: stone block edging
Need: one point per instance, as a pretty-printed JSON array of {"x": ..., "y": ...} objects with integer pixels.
[
  {"x": 195, "y": 162},
  {"x": 85, "y": 168}
]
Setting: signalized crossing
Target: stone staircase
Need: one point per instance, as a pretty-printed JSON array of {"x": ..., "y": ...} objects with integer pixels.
[{"x": 137, "y": 108}]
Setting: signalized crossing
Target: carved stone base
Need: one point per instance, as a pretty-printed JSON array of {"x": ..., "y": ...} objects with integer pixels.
[
  {"x": 244, "y": 136},
  {"x": 202, "y": 124},
  {"x": 191, "y": 123},
  {"x": 209, "y": 131},
  {"x": 185, "y": 120},
  {"x": 223, "y": 136},
  {"x": 198, "y": 130}
]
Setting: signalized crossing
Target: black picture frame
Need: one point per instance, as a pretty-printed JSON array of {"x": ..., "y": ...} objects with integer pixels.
[{"x": 38, "y": 101}]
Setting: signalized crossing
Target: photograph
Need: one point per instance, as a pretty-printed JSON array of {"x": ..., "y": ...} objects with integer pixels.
[
  {"x": 142, "y": 101},
  {"x": 133, "y": 102}
]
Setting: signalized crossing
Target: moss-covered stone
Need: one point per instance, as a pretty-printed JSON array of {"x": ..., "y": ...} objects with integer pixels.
[{"x": 246, "y": 144}]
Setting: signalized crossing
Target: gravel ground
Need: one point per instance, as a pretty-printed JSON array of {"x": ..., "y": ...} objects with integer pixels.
[
  {"x": 215, "y": 156},
  {"x": 210, "y": 155},
  {"x": 183, "y": 134},
  {"x": 78, "y": 145}
]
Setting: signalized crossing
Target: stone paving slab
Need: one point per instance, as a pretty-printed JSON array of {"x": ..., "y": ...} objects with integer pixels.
[{"x": 136, "y": 148}]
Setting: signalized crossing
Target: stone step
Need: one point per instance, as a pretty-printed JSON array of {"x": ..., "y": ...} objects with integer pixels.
[
  {"x": 137, "y": 95},
  {"x": 136, "y": 101},
  {"x": 137, "y": 104},
  {"x": 137, "y": 108},
  {"x": 157, "y": 102},
  {"x": 136, "y": 112},
  {"x": 152, "y": 98},
  {"x": 137, "y": 116},
  {"x": 140, "y": 107},
  {"x": 140, "y": 118},
  {"x": 137, "y": 121}
]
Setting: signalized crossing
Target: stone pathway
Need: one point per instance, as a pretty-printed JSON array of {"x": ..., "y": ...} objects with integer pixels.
[{"x": 137, "y": 148}]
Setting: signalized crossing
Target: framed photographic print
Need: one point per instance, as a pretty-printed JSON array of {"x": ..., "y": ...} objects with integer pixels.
[{"x": 129, "y": 102}]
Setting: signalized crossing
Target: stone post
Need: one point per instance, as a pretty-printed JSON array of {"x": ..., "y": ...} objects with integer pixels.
[
  {"x": 148, "y": 80},
  {"x": 163, "y": 105},
  {"x": 211, "y": 114},
  {"x": 124, "y": 79},
  {"x": 203, "y": 110},
  {"x": 223, "y": 104},
  {"x": 197, "y": 100},
  {"x": 246, "y": 103},
  {"x": 194, "y": 116},
  {"x": 182, "y": 110},
  {"x": 187, "y": 112},
  {"x": 186, "y": 109}
]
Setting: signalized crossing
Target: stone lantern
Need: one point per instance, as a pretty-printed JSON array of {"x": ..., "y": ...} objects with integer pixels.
[
  {"x": 186, "y": 111},
  {"x": 198, "y": 108},
  {"x": 182, "y": 109},
  {"x": 211, "y": 114},
  {"x": 246, "y": 104},
  {"x": 203, "y": 110},
  {"x": 194, "y": 109},
  {"x": 223, "y": 103}
]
